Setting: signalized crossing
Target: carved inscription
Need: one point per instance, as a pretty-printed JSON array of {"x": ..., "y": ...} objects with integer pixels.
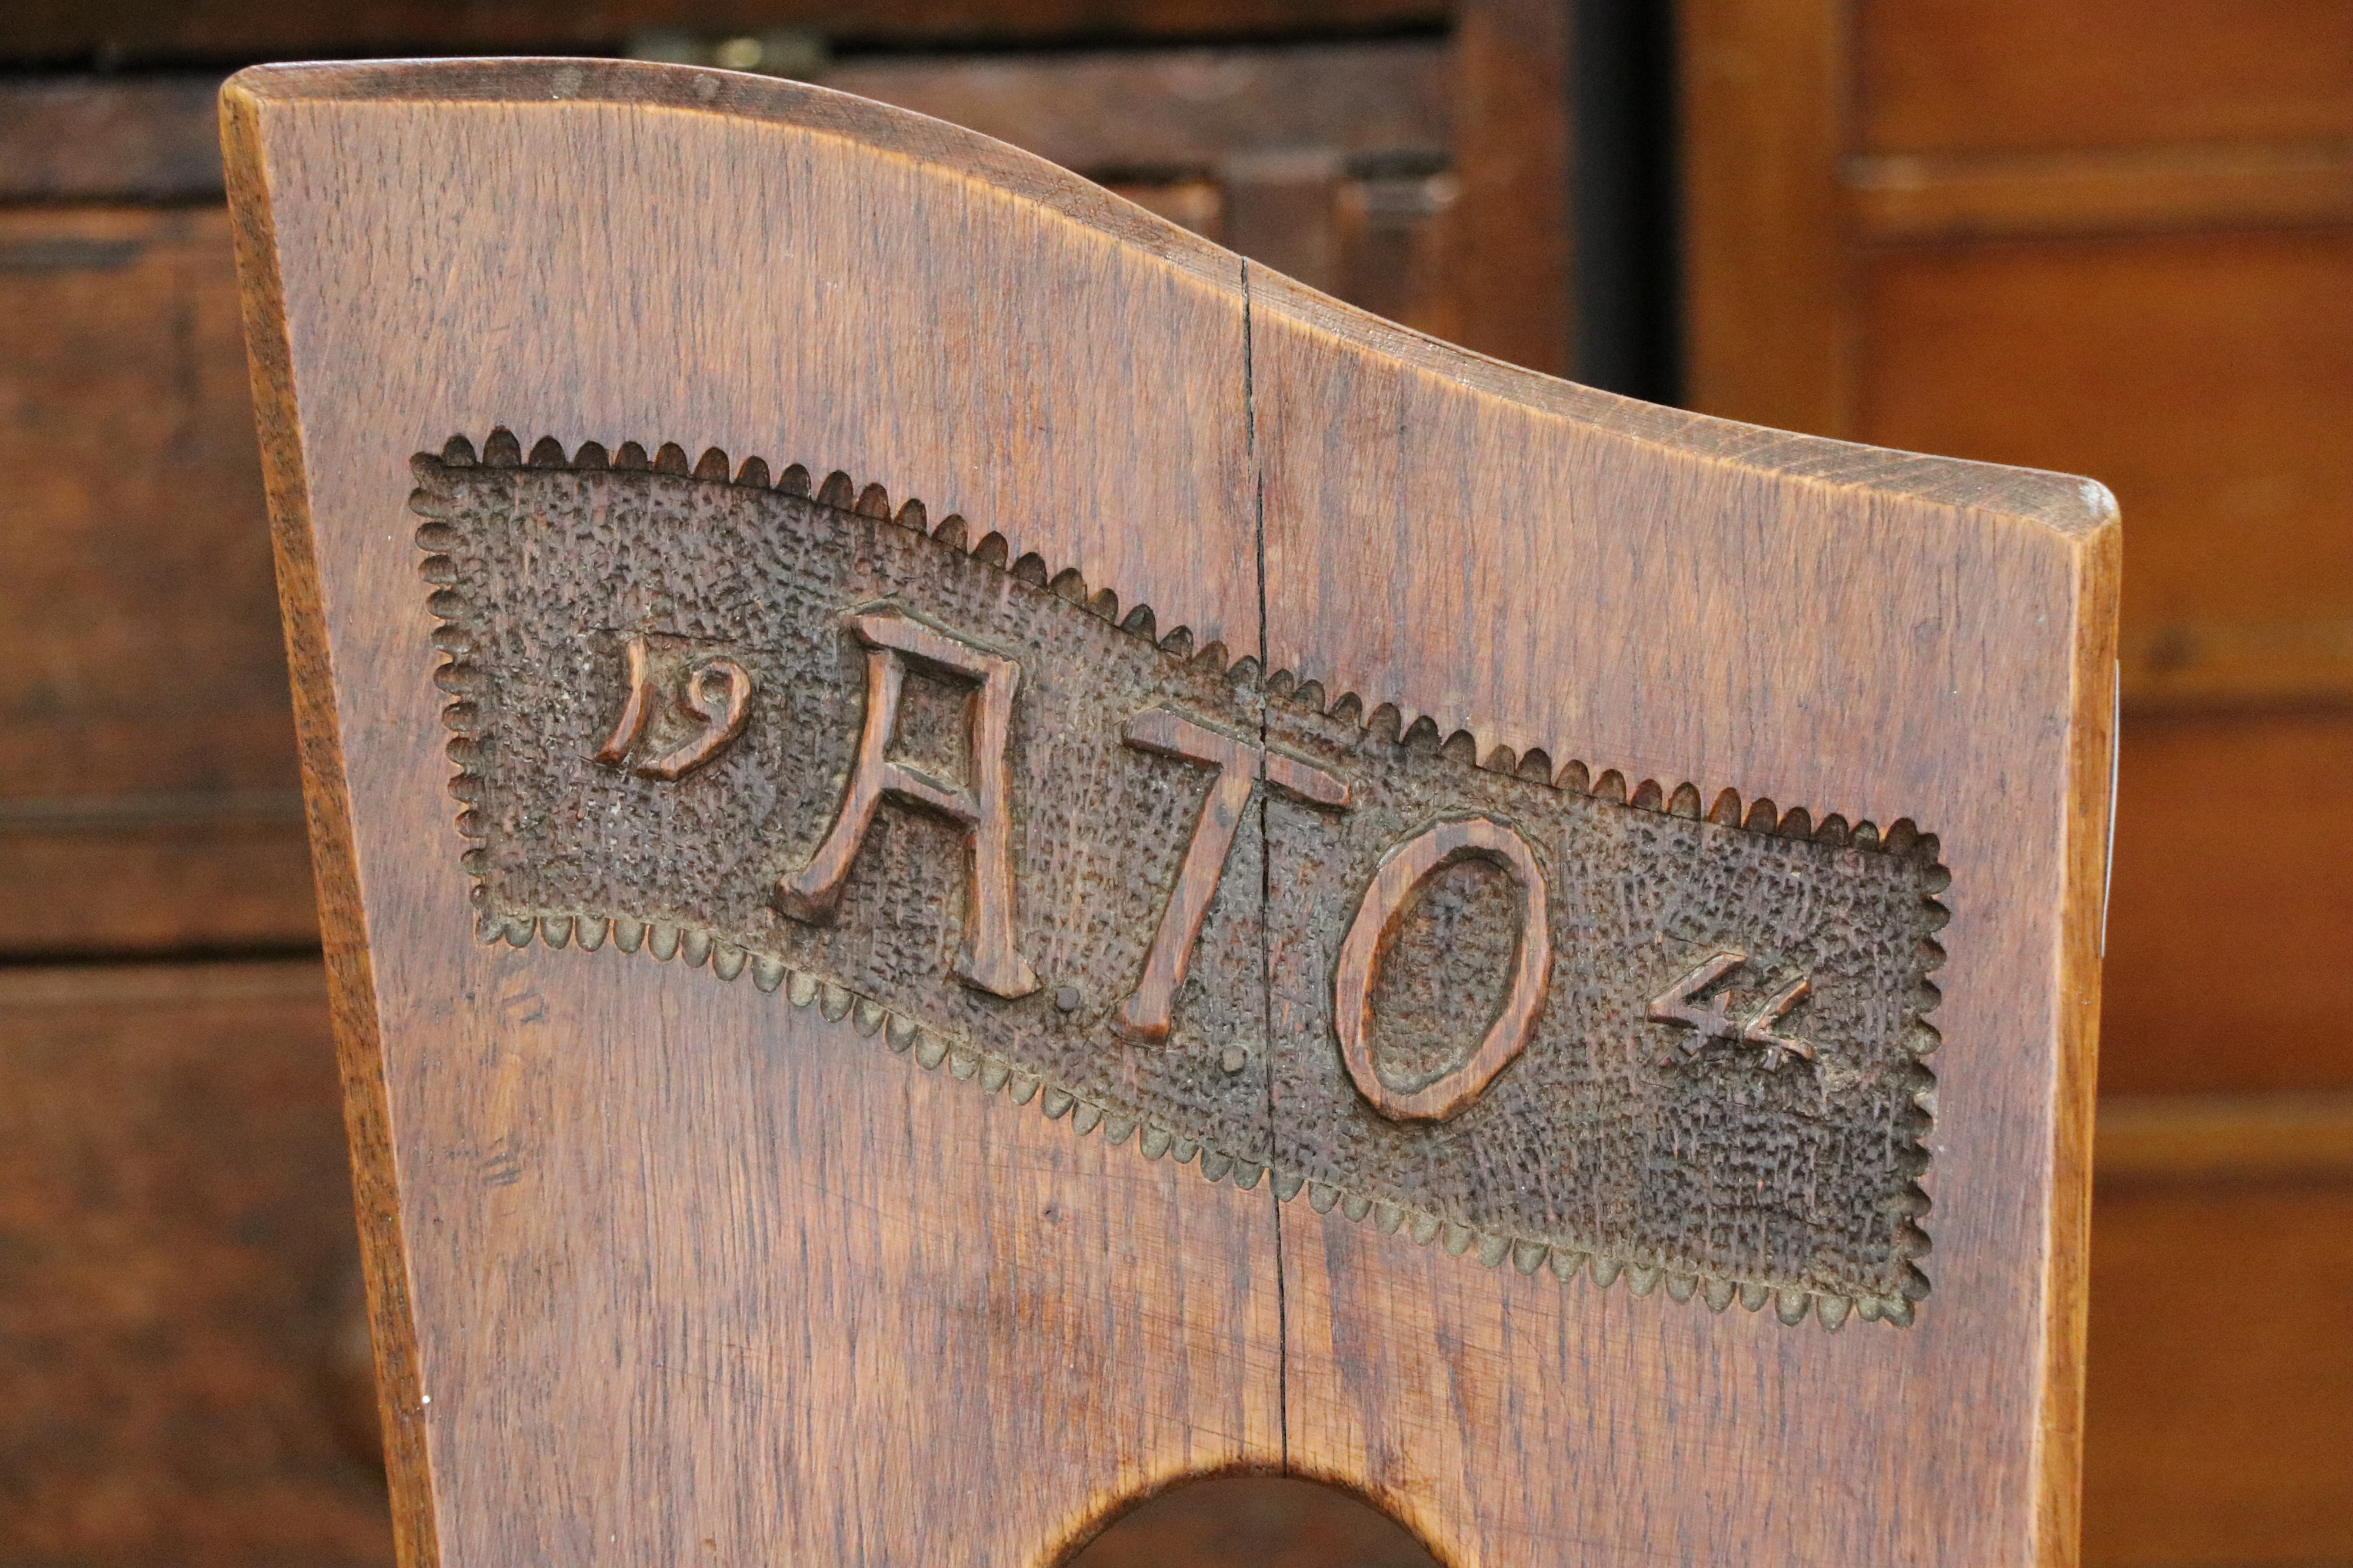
[
  {"x": 965, "y": 805},
  {"x": 1144, "y": 1015},
  {"x": 718, "y": 692},
  {"x": 1404, "y": 871},
  {"x": 1678, "y": 1005},
  {"x": 987, "y": 958}
]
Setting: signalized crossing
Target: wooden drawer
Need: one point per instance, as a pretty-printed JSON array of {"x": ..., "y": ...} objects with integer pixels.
[
  {"x": 2203, "y": 378},
  {"x": 176, "y": 1248},
  {"x": 2220, "y": 1371},
  {"x": 151, "y": 799},
  {"x": 1954, "y": 75},
  {"x": 2231, "y": 913}
]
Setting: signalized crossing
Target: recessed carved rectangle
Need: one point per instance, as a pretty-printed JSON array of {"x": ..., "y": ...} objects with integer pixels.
[{"x": 1496, "y": 1006}]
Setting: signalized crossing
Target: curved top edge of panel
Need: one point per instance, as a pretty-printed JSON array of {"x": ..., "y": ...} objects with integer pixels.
[{"x": 2067, "y": 505}]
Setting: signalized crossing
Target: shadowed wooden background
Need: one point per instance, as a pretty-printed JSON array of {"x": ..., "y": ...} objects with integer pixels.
[{"x": 2162, "y": 192}]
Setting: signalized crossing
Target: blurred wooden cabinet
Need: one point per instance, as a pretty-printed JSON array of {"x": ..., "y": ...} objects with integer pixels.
[
  {"x": 175, "y": 1259},
  {"x": 2116, "y": 237},
  {"x": 177, "y": 1379}
]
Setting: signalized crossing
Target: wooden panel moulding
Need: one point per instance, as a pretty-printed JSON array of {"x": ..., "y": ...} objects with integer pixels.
[
  {"x": 2189, "y": 1139},
  {"x": 1910, "y": 197},
  {"x": 1949, "y": 76},
  {"x": 80, "y": 138},
  {"x": 2189, "y": 666},
  {"x": 1073, "y": 865}
]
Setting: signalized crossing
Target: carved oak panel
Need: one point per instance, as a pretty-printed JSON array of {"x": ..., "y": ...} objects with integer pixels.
[{"x": 966, "y": 806}]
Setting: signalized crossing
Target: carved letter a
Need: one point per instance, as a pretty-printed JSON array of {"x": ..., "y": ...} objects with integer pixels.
[{"x": 987, "y": 959}]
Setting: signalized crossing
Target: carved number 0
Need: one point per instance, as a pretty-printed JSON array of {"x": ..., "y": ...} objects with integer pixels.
[{"x": 1402, "y": 871}]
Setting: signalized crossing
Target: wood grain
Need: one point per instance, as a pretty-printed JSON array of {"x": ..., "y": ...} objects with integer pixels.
[
  {"x": 762, "y": 1284},
  {"x": 1768, "y": 301},
  {"x": 1905, "y": 196},
  {"x": 173, "y": 1211},
  {"x": 150, "y": 797},
  {"x": 1383, "y": 453}
]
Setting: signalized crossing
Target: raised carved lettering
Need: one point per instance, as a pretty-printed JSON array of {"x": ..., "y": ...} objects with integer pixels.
[
  {"x": 1517, "y": 1010},
  {"x": 1145, "y": 1013},
  {"x": 1403, "y": 873},
  {"x": 1682, "y": 1006},
  {"x": 987, "y": 958},
  {"x": 718, "y": 692}
]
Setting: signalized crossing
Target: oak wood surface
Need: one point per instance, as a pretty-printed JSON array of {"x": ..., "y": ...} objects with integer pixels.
[{"x": 752, "y": 1281}]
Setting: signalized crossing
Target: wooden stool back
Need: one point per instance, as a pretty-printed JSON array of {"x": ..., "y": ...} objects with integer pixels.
[{"x": 977, "y": 858}]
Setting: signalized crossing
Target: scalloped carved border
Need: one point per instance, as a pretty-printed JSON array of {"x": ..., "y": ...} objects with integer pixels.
[{"x": 931, "y": 1050}]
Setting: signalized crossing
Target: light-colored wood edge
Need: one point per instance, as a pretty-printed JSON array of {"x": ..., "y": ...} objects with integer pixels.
[
  {"x": 2085, "y": 857},
  {"x": 2198, "y": 1139},
  {"x": 1912, "y": 197},
  {"x": 342, "y": 916}
]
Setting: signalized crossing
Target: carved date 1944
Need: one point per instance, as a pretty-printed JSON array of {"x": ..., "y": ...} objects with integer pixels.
[{"x": 1502, "y": 1007}]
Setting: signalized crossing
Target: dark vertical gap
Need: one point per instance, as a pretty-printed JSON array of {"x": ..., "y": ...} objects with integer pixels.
[
  {"x": 1265, "y": 884},
  {"x": 1625, "y": 199}
]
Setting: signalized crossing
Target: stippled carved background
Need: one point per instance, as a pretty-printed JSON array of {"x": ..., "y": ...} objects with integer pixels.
[{"x": 1613, "y": 1142}]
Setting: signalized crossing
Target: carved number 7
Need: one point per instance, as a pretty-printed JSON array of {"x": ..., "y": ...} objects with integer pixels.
[{"x": 1145, "y": 1015}]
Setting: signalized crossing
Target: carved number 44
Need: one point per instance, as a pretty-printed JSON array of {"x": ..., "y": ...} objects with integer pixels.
[{"x": 1682, "y": 1006}]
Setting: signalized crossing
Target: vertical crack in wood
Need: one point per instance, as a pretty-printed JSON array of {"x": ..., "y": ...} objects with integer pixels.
[
  {"x": 1265, "y": 884},
  {"x": 1776, "y": 1159}
]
